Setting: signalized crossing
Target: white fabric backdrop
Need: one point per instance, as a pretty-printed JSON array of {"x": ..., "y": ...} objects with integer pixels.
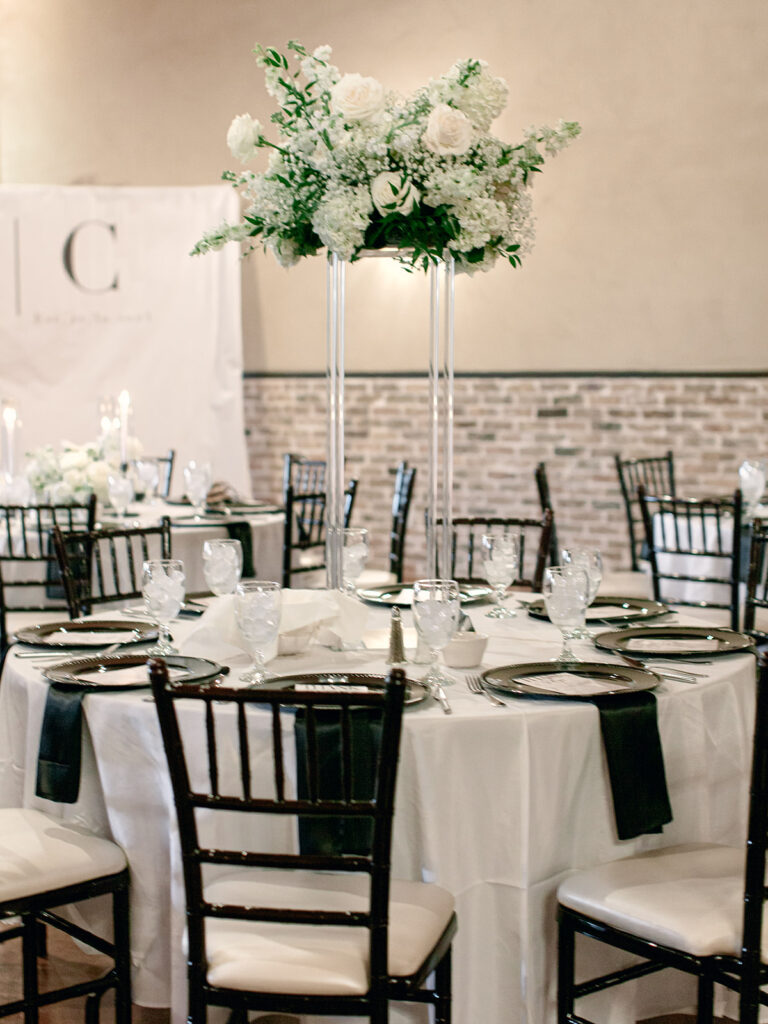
[{"x": 98, "y": 294}]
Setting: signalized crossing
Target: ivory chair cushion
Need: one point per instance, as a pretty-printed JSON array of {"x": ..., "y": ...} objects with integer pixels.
[
  {"x": 316, "y": 960},
  {"x": 688, "y": 897},
  {"x": 39, "y": 853}
]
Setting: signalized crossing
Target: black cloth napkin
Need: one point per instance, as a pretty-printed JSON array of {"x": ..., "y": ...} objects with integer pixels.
[
  {"x": 58, "y": 759},
  {"x": 330, "y": 835},
  {"x": 630, "y": 729},
  {"x": 242, "y": 531}
]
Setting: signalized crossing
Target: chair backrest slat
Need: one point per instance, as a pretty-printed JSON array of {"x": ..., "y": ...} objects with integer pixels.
[
  {"x": 545, "y": 501},
  {"x": 657, "y": 475}
]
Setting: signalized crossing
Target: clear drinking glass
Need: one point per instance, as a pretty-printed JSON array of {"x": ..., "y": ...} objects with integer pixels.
[
  {"x": 354, "y": 556},
  {"x": 501, "y": 558},
  {"x": 257, "y": 611},
  {"x": 590, "y": 560},
  {"x": 565, "y": 589},
  {"x": 752, "y": 484},
  {"x": 436, "y": 608},
  {"x": 162, "y": 585},
  {"x": 197, "y": 481},
  {"x": 222, "y": 565},
  {"x": 148, "y": 477},
  {"x": 120, "y": 491}
]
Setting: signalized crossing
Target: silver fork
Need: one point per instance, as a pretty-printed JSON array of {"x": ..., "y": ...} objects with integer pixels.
[{"x": 475, "y": 685}]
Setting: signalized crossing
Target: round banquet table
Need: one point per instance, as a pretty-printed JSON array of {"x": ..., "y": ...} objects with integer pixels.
[
  {"x": 188, "y": 535},
  {"x": 497, "y": 805}
]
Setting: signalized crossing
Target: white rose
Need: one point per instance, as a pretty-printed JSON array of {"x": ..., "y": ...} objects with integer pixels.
[
  {"x": 74, "y": 478},
  {"x": 448, "y": 131},
  {"x": 357, "y": 98},
  {"x": 393, "y": 193},
  {"x": 75, "y": 458},
  {"x": 97, "y": 475},
  {"x": 243, "y": 137}
]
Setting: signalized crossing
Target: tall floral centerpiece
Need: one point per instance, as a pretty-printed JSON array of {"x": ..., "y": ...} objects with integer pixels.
[{"x": 356, "y": 167}]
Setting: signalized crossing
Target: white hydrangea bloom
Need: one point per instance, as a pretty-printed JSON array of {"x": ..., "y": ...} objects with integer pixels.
[
  {"x": 243, "y": 137},
  {"x": 341, "y": 219}
]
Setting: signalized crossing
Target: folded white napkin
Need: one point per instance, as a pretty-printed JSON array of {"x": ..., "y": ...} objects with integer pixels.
[{"x": 335, "y": 616}]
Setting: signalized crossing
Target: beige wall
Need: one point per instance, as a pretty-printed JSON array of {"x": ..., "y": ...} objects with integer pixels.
[{"x": 651, "y": 228}]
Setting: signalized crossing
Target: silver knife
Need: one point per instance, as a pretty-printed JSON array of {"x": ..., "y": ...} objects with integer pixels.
[{"x": 439, "y": 694}]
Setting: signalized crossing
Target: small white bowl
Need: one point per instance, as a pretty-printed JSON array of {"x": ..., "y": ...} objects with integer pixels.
[{"x": 465, "y": 650}]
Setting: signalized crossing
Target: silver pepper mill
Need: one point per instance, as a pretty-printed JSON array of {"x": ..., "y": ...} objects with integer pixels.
[{"x": 396, "y": 645}]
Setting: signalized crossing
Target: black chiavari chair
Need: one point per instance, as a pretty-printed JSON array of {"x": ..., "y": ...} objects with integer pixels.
[
  {"x": 654, "y": 473},
  {"x": 682, "y": 533},
  {"x": 756, "y": 598},
  {"x": 342, "y": 936},
  {"x": 711, "y": 928},
  {"x": 466, "y": 546},
  {"x": 304, "y": 533},
  {"x": 105, "y": 566}
]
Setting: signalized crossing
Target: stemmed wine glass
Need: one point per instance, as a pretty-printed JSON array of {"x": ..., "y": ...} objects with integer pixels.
[
  {"x": 197, "y": 480},
  {"x": 120, "y": 491},
  {"x": 565, "y": 589},
  {"x": 590, "y": 560},
  {"x": 222, "y": 565},
  {"x": 148, "y": 475},
  {"x": 501, "y": 558},
  {"x": 436, "y": 608},
  {"x": 257, "y": 611},
  {"x": 162, "y": 585},
  {"x": 354, "y": 556}
]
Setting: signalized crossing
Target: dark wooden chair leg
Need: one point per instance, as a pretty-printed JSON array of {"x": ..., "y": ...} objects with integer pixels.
[
  {"x": 29, "y": 938},
  {"x": 566, "y": 953},
  {"x": 122, "y": 955},
  {"x": 706, "y": 1005},
  {"x": 443, "y": 990}
]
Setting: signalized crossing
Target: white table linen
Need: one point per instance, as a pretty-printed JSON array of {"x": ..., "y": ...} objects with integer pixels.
[{"x": 496, "y": 805}]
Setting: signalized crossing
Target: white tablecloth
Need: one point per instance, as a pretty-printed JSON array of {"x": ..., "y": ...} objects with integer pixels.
[{"x": 495, "y": 805}]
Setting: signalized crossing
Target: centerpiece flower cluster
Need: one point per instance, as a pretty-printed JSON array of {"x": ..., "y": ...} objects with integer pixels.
[
  {"x": 75, "y": 472},
  {"x": 358, "y": 167}
]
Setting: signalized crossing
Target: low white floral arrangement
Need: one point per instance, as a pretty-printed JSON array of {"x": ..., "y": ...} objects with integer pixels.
[
  {"x": 76, "y": 471},
  {"x": 357, "y": 167}
]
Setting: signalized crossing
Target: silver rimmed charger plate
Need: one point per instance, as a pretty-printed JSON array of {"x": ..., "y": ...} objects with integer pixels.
[
  {"x": 401, "y": 594},
  {"x": 112, "y": 672},
  {"x": 76, "y": 634},
  {"x": 344, "y": 682},
  {"x": 540, "y": 679},
  {"x": 615, "y": 609},
  {"x": 674, "y": 641}
]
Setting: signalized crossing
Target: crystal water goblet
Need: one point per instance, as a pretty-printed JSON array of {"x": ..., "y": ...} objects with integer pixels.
[
  {"x": 257, "y": 612},
  {"x": 590, "y": 560},
  {"x": 162, "y": 586},
  {"x": 222, "y": 565},
  {"x": 120, "y": 492},
  {"x": 197, "y": 480},
  {"x": 565, "y": 589},
  {"x": 501, "y": 558},
  {"x": 354, "y": 556},
  {"x": 436, "y": 609},
  {"x": 147, "y": 472}
]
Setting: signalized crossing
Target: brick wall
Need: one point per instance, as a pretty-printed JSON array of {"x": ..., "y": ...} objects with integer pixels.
[{"x": 503, "y": 427}]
